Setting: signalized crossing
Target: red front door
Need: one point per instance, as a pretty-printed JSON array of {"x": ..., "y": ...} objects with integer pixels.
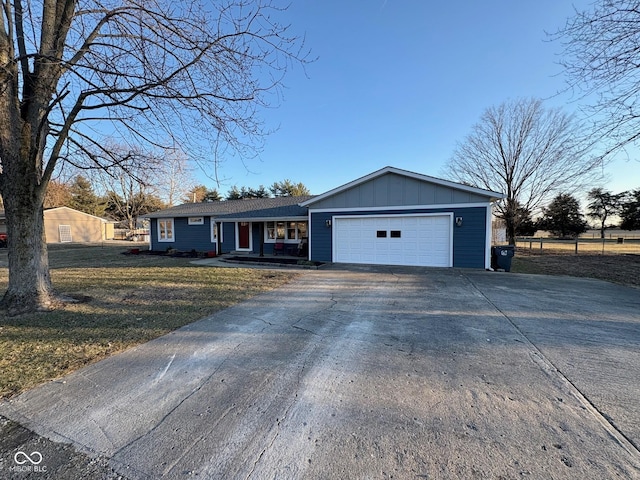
[{"x": 243, "y": 235}]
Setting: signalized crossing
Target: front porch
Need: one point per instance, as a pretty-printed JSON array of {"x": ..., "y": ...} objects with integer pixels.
[
  {"x": 268, "y": 260},
  {"x": 286, "y": 237}
]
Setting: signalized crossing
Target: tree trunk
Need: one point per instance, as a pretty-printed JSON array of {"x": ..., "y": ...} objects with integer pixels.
[
  {"x": 30, "y": 287},
  {"x": 510, "y": 228}
]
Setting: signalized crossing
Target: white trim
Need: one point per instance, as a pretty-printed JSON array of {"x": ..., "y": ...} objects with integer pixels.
[
  {"x": 213, "y": 226},
  {"x": 404, "y": 173},
  {"x": 263, "y": 219},
  {"x": 309, "y": 236},
  {"x": 399, "y": 207},
  {"x": 435, "y": 214},
  {"x": 237, "y": 224},
  {"x": 489, "y": 234},
  {"x": 171, "y": 239}
]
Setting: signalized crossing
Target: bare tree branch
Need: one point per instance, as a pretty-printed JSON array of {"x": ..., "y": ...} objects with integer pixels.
[
  {"x": 601, "y": 56},
  {"x": 77, "y": 74},
  {"x": 527, "y": 152}
]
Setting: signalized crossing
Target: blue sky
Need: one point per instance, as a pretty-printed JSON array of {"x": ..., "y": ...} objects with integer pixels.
[{"x": 400, "y": 82}]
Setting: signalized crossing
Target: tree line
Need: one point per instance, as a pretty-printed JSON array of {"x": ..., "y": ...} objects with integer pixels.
[
  {"x": 167, "y": 78},
  {"x": 123, "y": 199},
  {"x": 285, "y": 188},
  {"x": 563, "y": 217}
]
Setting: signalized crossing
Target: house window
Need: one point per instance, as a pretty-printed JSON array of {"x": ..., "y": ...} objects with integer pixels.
[
  {"x": 196, "y": 221},
  {"x": 302, "y": 230},
  {"x": 290, "y": 231},
  {"x": 275, "y": 230},
  {"x": 165, "y": 230}
]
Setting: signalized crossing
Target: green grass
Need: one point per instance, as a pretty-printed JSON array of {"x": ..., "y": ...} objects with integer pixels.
[{"x": 127, "y": 300}]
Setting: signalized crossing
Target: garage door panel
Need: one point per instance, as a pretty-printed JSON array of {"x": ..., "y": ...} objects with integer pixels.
[{"x": 423, "y": 240}]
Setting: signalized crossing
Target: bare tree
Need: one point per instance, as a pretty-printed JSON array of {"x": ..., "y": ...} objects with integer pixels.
[
  {"x": 155, "y": 72},
  {"x": 174, "y": 179},
  {"x": 131, "y": 191},
  {"x": 527, "y": 152},
  {"x": 600, "y": 57},
  {"x": 127, "y": 199},
  {"x": 602, "y": 206},
  {"x": 58, "y": 194},
  {"x": 195, "y": 194}
]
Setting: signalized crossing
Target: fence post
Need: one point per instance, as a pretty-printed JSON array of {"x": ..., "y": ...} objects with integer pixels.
[{"x": 576, "y": 245}]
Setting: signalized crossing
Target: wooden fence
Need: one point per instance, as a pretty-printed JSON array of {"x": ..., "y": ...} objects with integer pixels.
[{"x": 618, "y": 245}]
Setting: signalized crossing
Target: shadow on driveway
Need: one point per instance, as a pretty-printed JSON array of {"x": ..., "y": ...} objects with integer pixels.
[{"x": 352, "y": 372}]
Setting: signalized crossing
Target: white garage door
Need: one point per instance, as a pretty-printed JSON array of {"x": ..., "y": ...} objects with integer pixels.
[{"x": 394, "y": 240}]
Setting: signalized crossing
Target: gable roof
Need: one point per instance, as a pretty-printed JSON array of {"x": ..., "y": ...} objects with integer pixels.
[
  {"x": 73, "y": 210},
  {"x": 247, "y": 208},
  {"x": 491, "y": 196},
  {"x": 67, "y": 209}
]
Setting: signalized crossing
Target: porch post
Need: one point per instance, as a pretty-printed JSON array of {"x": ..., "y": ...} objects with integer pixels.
[{"x": 261, "y": 239}]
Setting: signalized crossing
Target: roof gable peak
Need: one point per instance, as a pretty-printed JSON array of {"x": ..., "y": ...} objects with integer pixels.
[{"x": 405, "y": 173}]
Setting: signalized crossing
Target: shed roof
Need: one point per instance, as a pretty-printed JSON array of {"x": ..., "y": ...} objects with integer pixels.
[{"x": 69, "y": 210}]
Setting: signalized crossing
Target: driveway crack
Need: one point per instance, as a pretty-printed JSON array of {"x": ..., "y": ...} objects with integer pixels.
[
  {"x": 285, "y": 414},
  {"x": 180, "y": 403},
  {"x": 547, "y": 365}
]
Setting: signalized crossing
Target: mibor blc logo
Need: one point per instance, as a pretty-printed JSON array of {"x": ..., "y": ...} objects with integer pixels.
[{"x": 28, "y": 462}]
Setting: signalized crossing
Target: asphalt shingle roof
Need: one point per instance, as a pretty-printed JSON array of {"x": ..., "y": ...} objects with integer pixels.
[{"x": 248, "y": 208}]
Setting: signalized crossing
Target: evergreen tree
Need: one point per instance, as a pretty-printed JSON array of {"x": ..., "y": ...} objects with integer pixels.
[
  {"x": 234, "y": 193},
  {"x": 563, "y": 218},
  {"x": 260, "y": 192},
  {"x": 630, "y": 211},
  {"x": 286, "y": 188},
  {"x": 83, "y": 197},
  {"x": 212, "y": 196},
  {"x": 525, "y": 226}
]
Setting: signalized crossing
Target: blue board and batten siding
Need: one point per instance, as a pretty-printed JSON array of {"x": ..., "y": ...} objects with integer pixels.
[
  {"x": 198, "y": 237},
  {"x": 397, "y": 190},
  {"x": 389, "y": 192},
  {"x": 185, "y": 237},
  {"x": 469, "y": 240},
  {"x": 228, "y": 237}
]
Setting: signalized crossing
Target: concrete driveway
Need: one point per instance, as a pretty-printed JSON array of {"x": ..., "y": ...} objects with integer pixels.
[{"x": 362, "y": 372}]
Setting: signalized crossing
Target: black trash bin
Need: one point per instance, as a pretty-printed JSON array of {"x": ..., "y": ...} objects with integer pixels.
[{"x": 501, "y": 257}]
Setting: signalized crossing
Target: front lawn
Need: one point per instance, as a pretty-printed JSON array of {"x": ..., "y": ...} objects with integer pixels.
[
  {"x": 126, "y": 300},
  {"x": 622, "y": 268}
]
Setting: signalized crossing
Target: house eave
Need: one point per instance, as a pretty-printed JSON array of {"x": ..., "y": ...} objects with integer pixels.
[{"x": 260, "y": 219}]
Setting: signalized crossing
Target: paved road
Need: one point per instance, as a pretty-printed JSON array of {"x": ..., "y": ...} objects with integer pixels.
[{"x": 371, "y": 373}]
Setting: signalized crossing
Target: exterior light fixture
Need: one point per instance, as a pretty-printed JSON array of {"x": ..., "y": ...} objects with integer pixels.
[
  {"x": 327, "y": 223},
  {"x": 458, "y": 221}
]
